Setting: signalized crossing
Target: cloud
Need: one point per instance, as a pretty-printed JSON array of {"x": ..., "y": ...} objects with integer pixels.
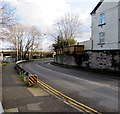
[
  {"x": 43, "y": 13},
  {"x": 40, "y": 12},
  {"x": 83, "y": 37},
  {"x": 86, "y": 23},
  {"x": 80, "y": 1}
]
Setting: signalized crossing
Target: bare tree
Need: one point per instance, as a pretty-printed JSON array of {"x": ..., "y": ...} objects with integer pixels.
[
  {"x": 67, "y": 27},
  {"x": 7, "y": 19},
  {"x": 32, "y": 40},
  {"x": 7, "y": 14},
  {"x": 24, "y": 39}
]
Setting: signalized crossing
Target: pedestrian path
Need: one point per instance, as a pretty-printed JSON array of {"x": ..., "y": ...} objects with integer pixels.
[{"x": 19, "y": 98}]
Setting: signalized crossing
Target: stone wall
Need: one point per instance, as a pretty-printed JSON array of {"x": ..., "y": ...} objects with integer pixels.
[
  {"x": 65, "y": 59},
  {"x": 108, "y": 60}
]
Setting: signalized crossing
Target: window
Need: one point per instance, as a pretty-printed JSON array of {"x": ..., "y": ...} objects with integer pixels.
[
  {"x": 102, "y": 18},
  {"x": 101, "y": 37}
]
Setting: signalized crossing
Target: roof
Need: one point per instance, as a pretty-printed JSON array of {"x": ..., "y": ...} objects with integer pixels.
[{"x": 97, "y": 6}]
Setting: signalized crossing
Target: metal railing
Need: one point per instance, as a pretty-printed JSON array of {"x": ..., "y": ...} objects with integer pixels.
[{"x": 27, "y": 76}]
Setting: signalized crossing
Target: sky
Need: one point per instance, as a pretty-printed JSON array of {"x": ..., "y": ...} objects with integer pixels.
[{"x": 43, "y": 13}]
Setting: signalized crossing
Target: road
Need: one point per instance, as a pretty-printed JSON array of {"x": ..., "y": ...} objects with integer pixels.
[{"x": 97, "y": 91}]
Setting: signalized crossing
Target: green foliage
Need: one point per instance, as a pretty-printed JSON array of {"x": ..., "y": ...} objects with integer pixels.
[
  {"x": 62, "y": 43},
  {"x": 23, "y": 78},
  {"x": 5, "y": 64}
]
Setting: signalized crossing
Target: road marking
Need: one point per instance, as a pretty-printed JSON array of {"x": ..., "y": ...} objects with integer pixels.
[
  {"x": 92, "y": 82},
  {"x": 69, "y": 100}
]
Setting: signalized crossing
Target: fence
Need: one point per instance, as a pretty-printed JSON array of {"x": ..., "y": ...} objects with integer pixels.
[
  {"x": 76, "y": 49},
  {"x": 28, "y": 77}
]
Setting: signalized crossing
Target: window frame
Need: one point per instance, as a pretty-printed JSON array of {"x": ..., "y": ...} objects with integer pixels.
[
  {"x": 102, "y": 19},
  {"x": 101, "y": 37}
]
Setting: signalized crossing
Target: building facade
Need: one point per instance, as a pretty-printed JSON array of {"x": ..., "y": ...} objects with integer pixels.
[
  {"x": 87, "y": 44},
  {"x": 105, "y": 26}
]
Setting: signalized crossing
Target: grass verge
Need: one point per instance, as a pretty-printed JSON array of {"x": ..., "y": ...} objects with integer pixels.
[
  {"x": 25, "y": 80},
  {"x": 4, "y": 64}
]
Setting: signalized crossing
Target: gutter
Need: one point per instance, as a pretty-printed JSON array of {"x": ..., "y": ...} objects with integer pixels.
[{"x": 97, "y": 6}]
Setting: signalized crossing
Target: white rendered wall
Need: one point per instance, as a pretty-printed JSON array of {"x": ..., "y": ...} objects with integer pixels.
[{"x": 111, "y": 28}]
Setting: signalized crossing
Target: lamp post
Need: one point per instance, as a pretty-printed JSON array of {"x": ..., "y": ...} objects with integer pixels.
[{"x": 17, "y": 48}]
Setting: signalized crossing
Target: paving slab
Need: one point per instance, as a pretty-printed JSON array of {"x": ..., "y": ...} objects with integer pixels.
[
  {"x": 19, "y": 98},
  {"x": 38, "y": 91}
]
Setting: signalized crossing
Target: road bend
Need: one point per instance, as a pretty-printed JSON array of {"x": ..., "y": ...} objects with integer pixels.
[{"x": 97, "y": 91}]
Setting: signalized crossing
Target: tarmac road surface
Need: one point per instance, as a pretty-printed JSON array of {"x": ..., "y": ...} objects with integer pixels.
[{"x": 97, "y": 91}]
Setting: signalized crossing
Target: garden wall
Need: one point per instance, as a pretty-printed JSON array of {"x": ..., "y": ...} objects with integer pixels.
[{"x": 108, "y": 59}]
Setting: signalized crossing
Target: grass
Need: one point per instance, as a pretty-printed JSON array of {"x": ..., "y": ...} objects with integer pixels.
[
  {"x": 36, "y": 85},
  {"x": 24, "y": 79},
  {"x": 4, "y": 64}
]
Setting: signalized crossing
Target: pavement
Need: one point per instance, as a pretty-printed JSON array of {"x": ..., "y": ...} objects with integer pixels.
[{"x": 17, "y": 97}]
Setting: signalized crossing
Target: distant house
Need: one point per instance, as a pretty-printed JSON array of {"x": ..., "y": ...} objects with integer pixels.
[{"x": 105, "y": 26}]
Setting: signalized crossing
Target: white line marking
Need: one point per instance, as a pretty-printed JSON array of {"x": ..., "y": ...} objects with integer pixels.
[{"x": 92, "y": 82}]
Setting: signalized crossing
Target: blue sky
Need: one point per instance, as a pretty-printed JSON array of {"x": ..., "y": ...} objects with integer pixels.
[{"x": 43, "y": 13}]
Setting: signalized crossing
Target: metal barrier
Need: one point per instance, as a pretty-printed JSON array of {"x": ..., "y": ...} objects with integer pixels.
[{"x": 27, "y": 76}]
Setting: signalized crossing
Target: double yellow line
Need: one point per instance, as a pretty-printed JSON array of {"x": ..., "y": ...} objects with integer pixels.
[{"x": 68, "y": 99}]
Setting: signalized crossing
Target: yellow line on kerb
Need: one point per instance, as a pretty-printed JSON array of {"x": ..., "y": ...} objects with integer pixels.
[
  {"x": 45, "y": 85},
  {"x": 79, "y": 107},
  {"x": 49, "y": 87}
]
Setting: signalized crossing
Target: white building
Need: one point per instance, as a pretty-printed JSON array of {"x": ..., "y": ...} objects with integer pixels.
[
  {"x": 87, "y": 44},
  {"x": 106, "y": 25}
]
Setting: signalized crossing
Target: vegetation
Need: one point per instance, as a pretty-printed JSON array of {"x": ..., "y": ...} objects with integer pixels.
[
  {"x": 8, "y": 17},
  {"x": 4, "y": 64},
  {"x": 62, "y": 43},
  {"x": 21, "y": 37},
  {"x": 24, "y": 39},
  {"x": 66, "y": 29}
]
